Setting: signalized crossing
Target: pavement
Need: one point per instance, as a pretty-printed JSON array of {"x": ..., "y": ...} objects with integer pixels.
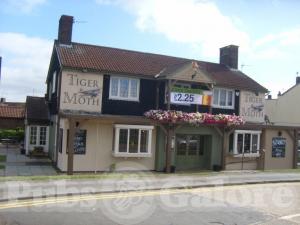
[
  {"x": 13, "y": 190},
  {"x": 21, "y": 165}
]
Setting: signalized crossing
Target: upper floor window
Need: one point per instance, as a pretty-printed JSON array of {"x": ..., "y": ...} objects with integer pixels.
[
  {"x": 223, "y": 98},
  {"x": 124, "y": 88},
  {"x": 54, "y": 82}
]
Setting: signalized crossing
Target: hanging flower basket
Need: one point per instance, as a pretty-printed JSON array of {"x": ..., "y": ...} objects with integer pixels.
[{"x": 171, "y": 116}]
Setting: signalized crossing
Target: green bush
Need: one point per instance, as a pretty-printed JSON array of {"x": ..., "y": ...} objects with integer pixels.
[{"x": 17, "y": 134}]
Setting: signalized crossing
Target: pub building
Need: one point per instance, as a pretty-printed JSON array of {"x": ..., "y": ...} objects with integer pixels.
[{"x": 98, "y": 97}]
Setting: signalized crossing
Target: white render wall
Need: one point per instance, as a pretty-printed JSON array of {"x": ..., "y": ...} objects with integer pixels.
[
  {"x": 285, "y": 110},
  {"x": 99, "y": 146}
]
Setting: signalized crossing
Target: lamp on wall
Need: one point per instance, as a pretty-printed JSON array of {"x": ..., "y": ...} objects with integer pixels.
[{"x": 279, "y": 133}]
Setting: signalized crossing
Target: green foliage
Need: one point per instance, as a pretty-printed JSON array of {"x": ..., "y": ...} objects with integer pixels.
[
  {"x": 17, "y": 134},
  {"x": 2, "y": 158}
]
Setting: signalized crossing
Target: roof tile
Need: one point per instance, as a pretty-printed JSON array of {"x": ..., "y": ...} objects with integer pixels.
[{"x": 113, "y": 60}]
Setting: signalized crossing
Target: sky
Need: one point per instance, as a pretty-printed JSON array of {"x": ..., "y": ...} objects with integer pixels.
[{"x": 266, "y": 31}]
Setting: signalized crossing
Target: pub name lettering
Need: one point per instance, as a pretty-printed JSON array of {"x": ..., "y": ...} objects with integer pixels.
[{"x": 83, "y": 84}]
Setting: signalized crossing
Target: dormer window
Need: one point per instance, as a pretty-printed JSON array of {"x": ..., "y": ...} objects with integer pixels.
[
  {"x": 124, "y": 88},
  {"x": 223, "y": 98}
]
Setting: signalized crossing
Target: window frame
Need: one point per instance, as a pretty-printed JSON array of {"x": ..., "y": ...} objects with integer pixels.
[
  {"x": 44, "y": 137},
  {"x": 244, "y": 132},
  {"x": 33, "y": 135},
  {"x": 226, "y": 106},
  {"x": 200, "y": 146},
  {"x": 118, "y": 97},
  {"x": 138, "y": 154},
  {"x": 38, "y": 135},
  {"x": 54, "y": 82}
]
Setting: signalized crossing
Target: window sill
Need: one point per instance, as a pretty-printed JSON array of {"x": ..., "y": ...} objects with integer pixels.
[
  {"x": 132, "y": 155},
  {"x": 222, "y": 107},
  {"x": 123, "y": 99},
  {"x": 248, "y": 155}
]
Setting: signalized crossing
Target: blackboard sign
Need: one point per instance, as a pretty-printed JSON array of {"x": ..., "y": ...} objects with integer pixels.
[
  {"x": 278, "y": 147},
  {"x": 79, "y": 142}
]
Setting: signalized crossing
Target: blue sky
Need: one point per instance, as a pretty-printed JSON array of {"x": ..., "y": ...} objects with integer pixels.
[{"x": 267, "y": 31}]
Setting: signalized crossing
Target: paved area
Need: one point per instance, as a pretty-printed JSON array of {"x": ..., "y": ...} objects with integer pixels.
[
  {"x": 264, "y": 204},
  {"x": 21, "y": 165},
  {"x": 136, "y": 181}
]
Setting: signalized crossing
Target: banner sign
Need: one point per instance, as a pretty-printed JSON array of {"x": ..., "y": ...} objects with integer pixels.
[
  {"x": 190, "y": 96},
  {"x": 278, "y": 147}
]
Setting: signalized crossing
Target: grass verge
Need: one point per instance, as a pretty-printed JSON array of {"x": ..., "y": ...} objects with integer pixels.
[
  {"x": 2, "y": 158},
  {"x": 116, "y": 175},
  {"x": 103, "y": 175}
]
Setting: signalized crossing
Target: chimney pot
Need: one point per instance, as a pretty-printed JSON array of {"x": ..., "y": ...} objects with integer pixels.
[
  {"x": 65, "y": 29},
  {"x": 297, "y": 80},
  {"x": 229, "y": 56}
]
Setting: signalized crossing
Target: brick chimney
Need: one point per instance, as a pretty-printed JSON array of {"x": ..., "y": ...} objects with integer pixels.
[
  {"x": 65, "y": 30},
  {"x": 229, "y": 56}
]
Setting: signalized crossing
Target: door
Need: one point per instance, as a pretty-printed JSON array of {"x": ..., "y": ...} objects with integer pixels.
[{"x": 192, "y": 151}]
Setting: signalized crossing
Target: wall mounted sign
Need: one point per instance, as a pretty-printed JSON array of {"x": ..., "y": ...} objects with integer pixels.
[
  {"x": 190, "y": 96},
  {"x": 252, "y": 106},
  {"x": 278, "y": 147},
  {"x": 81, "y": 91},
  {"x": 79, "y": 142}
]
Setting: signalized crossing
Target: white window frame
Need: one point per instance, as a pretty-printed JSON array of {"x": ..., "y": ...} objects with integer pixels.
[
  {"x": 129, "y": 98},
  {"x": 139, "y": 154},
  {"x": 226, "y": 106},
  {"x": 38, "y": 135},
  {"x": 235, "y": 139},
  {"x": 33, "y": 135}
]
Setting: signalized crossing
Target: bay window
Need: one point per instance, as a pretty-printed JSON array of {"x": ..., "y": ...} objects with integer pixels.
[
  {"x": 132, "y": 140},
  {"x": 223, "y": 98},
  {"x": 124, "y": 88},
  {"x": 246, "y": 142}
]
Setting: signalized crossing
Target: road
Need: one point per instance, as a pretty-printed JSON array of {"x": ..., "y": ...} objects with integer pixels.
[{"x": 276, "y": 204}]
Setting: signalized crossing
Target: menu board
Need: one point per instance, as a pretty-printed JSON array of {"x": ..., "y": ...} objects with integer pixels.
[
  {"x": 79, "y": 142},
  {"x": 278, "y": 147}
]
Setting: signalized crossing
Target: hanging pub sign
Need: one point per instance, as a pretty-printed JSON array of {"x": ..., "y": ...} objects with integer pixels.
[
  {"x": 278, "y": 147},
  {"x": 190, "y": 96}
]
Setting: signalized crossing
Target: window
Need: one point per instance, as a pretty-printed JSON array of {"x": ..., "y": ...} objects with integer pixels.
[
  {"x": 60, "y": 140},
  {"x": 246, "y": 142},
  {"x": 223, "y": 98},
  {"x": 38, "y": 135},
  {"x": 54, "y": 82},
  {"x": 132, "y": 140},
  {"x": 33, "y": 135},
  {"x": 124, "y": 88},
  {"x": 43, "y": 135},
  {"x": 191, "y": 145}
]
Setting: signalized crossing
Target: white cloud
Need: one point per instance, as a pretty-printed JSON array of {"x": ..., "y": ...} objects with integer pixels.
[
  {"x": 194, "y": 22},
  {"x": 285, "y": 38},
  {"x": 25, "y": 62},
  {"x": 23, "y": 6}
]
